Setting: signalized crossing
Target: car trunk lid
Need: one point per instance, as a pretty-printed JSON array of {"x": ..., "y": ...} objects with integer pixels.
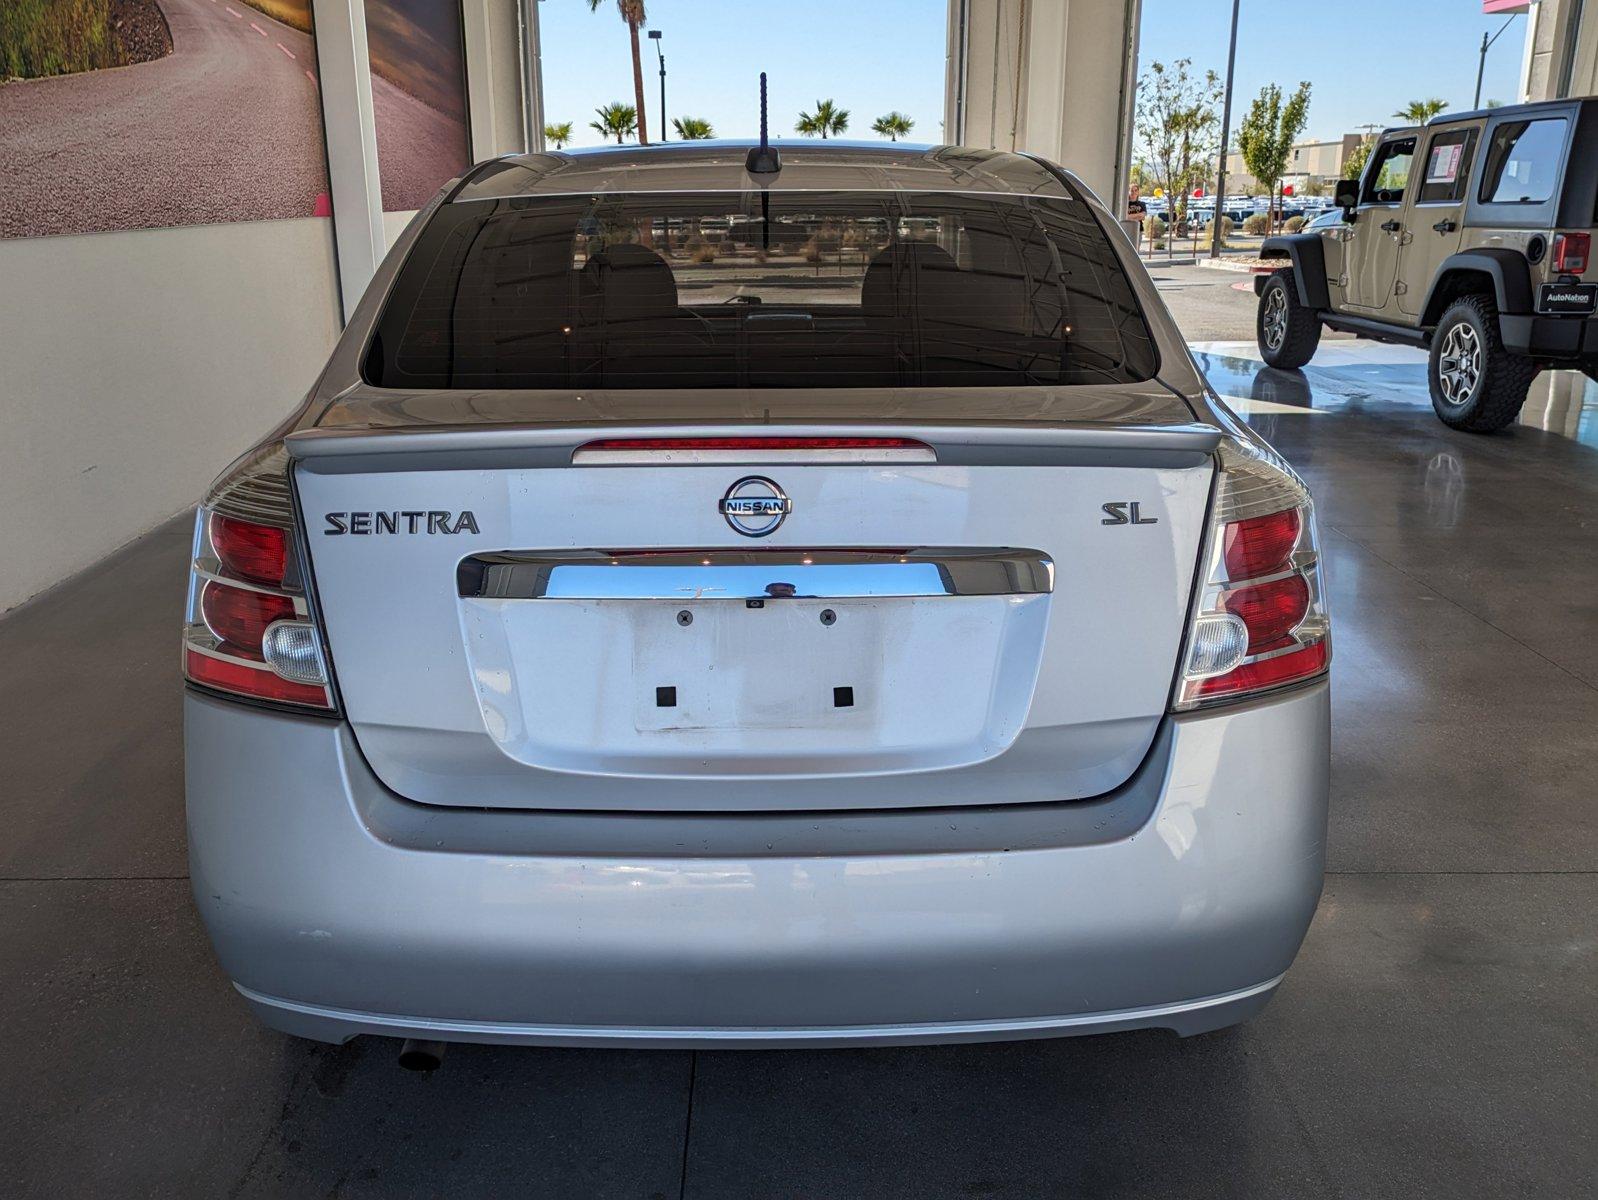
[{"x": 515, "y": 623}]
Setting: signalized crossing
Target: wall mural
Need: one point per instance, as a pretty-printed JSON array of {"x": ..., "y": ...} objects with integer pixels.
[
  {"x": 125, "y": 114},
  {"x": 131, "y": 114},
  {"x": 418, "y": 97}
]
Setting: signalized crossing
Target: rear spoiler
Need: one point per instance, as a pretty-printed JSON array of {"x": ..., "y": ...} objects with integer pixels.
[{"x": 359, "y": 451}]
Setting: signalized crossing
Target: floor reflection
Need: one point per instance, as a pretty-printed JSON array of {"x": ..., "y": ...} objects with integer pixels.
[{"x": 1367, "y": 377}]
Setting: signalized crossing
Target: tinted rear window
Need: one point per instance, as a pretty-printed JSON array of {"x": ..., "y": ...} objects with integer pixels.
[
  {"x": 1523, "y": 161},
  {"x": 798, "y": 289}
]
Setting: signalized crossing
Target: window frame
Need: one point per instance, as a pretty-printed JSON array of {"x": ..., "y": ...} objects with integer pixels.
[
  {"x": 1379, "y": 159},
  {"x": 1489, "y": 184},
  {"x": 1461, "y": 183}
]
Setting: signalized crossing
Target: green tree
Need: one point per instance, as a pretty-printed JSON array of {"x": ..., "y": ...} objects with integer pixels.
[
  {"x": 632, "y": 12},
  {"x": 828, "y": 119},
  {"x": 893, "y": 126},
  {"x": 1418, "y": 112},
  {"x": 616, "y": 120},
  {"x": 1179, "y": 128},
  {"x": 1266, "y": 136},
  {"x": 558, "y": 135},
  {"x": 1354, "y": 164},
  {"x": 692, "y": 129}
]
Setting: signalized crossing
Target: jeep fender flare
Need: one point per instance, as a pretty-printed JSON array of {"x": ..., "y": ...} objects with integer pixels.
[
  {"x": 1309, "y": 266},
  {"x": 1508, "y": 269}
]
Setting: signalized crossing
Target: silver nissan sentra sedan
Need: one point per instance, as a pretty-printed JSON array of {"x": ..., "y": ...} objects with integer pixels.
[{"x": 724, "y": 596}]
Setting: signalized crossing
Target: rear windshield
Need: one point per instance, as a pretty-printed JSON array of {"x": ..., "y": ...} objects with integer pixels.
[{"x": 726, "y": 289}]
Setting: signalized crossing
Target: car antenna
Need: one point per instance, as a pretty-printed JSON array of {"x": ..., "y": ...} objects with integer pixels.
[{"x": 763, "y": 159}]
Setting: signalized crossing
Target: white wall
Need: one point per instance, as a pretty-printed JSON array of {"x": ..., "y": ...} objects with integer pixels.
[
  {"x": 134, "y": 366},
  {"x": 1053, "y": 78}
]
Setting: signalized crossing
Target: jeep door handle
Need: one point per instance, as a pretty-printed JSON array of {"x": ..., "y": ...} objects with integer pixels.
[
  {"x": 1446, "y": 226},
  {"x": 1391, "y": 226}
]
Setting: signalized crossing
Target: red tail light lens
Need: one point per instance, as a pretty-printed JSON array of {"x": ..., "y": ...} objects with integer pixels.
[
  {"x": 257, "y": 553},
  {"x": 754, "y": 449},
  {"x": 239, "y": 618},
  {"x": 1260, "y": 545},
  {"x": 1266, "y": 673},
  {"x": 258, "y": 682},
  {"x": 1571, "y": 252},
  {"x": 1270, "y": 611}
]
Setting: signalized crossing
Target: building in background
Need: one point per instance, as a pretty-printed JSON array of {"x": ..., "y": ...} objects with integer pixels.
[
  {"x": 1561, "y": 53},
  {"x": 1311, "y": 165}
]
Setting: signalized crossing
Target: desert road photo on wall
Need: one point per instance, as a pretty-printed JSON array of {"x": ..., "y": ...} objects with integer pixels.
[{"x": 132, "y": 114}]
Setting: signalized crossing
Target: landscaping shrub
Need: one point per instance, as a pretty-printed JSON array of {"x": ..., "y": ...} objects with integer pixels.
[
  {"x": 1257, "y": 224},
  {"x": 1294, "y": 224},
  {"x": 60, "y": 37}
]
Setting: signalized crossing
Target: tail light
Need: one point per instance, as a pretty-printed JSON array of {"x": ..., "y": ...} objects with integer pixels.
[
  {"x": 250, "y": 629},
  {"x": 1259, "y": 620},
  {"x": 1571, "y": 252}
]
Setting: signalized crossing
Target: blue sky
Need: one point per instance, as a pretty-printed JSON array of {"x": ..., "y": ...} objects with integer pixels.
[
  {"x": 1364, "y": 57},
  {"x": 870, "y": 56}
]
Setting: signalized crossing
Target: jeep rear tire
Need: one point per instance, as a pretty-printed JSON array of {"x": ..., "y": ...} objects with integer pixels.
[
  {"x": 1287, "y": 332},
  {"x": 1476, "y": 385}
]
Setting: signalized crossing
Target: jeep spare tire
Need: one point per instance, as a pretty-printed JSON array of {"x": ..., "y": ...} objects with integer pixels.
[
  {"x": 1476, "y": 385},
  {"x": 1287, "y": 332}
]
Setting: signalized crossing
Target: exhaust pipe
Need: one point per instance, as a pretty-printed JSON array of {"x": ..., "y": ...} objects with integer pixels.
[{"x": 422, "y": 1056}]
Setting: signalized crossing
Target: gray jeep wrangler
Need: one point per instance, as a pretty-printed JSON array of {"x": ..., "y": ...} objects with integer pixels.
[{"x": 1471, "y": 237}]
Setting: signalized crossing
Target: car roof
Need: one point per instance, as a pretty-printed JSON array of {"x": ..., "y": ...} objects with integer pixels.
[
  {"x": 827, "y": 165},
  {"x": 1530, "y": 109}
]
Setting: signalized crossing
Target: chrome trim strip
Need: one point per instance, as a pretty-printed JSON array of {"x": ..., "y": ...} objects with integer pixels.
[{"x": 754, "y": 574}]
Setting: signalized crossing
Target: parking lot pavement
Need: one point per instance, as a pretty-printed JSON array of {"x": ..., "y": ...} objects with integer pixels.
[{"x": 1438, "y": 1035}]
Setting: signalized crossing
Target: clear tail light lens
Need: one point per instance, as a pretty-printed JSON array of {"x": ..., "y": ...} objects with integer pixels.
[
  {"x": 1260, "y": 620},
  {"x": 249, "y": 629}
]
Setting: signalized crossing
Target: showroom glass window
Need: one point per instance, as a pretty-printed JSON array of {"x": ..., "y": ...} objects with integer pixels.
[
  {"x": 801, "y": 289},
  {"x": 1523, "y": 161}
]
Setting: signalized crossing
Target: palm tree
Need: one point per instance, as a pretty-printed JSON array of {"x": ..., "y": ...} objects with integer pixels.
[
  {"x": 692, "y": 129},
  {"x": 616, "y": 120},
  {"x": 1418, "y": 112},
  {"x": 827, "y": 119},
  {"x": 632, "y": 11},
  {"x": 558, "y": 134},
  {"x": 893, "y": 126}
]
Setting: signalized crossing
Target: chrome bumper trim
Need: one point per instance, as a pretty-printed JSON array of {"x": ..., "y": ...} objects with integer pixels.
[{"x": 754, "y": 574}]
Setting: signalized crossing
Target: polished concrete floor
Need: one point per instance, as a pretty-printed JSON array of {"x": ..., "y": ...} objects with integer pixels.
[{"x": 1437, "y": 1037}]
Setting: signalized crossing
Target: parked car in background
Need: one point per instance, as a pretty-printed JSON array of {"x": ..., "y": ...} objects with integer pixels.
[
  {"x": 1471, "y": 237},
  {"x": 625, "y": 647}
]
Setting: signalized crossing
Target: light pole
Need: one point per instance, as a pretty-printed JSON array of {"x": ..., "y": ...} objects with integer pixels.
[
  {"x": 654, "y": 36},
  {"x": 1226, "y": 134},
  {"x": 1481, "y": 65}
]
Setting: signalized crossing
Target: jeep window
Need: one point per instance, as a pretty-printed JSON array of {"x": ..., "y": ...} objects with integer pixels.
[
  {"x": 1389, "y": 174},
  {"x": 778, "y": 289},
  {"x": 1447, "y": 166},
  {"x": 1523, "y": 161}
]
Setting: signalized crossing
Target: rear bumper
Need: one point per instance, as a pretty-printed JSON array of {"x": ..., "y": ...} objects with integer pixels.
[
  {"x": 331, "y": 927},
  {"x": 1550, "y": 337}
]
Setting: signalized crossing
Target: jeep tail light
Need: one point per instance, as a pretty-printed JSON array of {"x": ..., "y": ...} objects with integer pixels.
[
  {"x": 1571, "y": 252},
  {"x": 250, "y": 629},
  {"x": 1259, "y": 620}
]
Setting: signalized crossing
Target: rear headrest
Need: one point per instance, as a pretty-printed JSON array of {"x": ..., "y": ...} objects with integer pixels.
[
  {"x": 877, "y": 289},
  {"x": 632, "y": 283}
]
